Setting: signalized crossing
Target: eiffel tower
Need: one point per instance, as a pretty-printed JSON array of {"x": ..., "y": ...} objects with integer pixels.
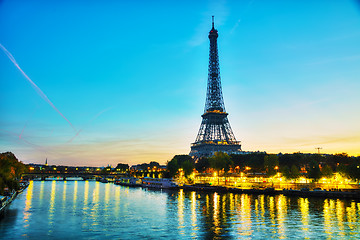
[{"x": 215, "y": 134}]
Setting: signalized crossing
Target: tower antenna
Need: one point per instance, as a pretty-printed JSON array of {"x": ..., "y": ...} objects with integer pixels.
[
  {"x": 213, "y": 22},
  {"x": 318, "y": 148}
]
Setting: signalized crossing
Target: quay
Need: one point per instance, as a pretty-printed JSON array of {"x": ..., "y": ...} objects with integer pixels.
[
  {"x": 6, "y": 200},
  {"x": 271, "y": 191}
]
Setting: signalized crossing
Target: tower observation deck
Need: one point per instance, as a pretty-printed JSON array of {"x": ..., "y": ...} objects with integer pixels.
[{"x": 215, "y": 133}]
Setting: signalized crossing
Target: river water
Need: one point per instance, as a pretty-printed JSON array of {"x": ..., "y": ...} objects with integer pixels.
[{"x": 94, "y": 210}]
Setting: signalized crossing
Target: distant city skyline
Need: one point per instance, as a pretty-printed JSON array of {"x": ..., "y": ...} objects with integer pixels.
[{"x": 125, "y": 82}]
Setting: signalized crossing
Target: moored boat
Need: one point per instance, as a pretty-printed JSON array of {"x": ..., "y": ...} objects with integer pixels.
[
  {"x": 128, "y": 181},
  {"x": 161, "y": 183},
  {"x": 104, "y": 180},
  {"x": 6, "y": 200},
  {"x": 23, "y": 186}
]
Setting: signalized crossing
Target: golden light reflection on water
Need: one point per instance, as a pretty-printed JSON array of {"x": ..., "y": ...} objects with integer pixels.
[
  {"x": 256, "y": 207},
  {"x": 193, "y": 209},
  {"x": 117, "y": 200},
  {"x": 245, "y": 215},
  {"x": 259, "y": 210},
  {"x": 85, "y": 206},
  {"x": 282, "y": 213},
  {"x": 271, "y": 206},
  {"x": 327, "y": 217},
  {"x": 28, "y": 200},
  {"x": 52, "y": 202},
  {"x": 181, "y": 211},
  {"x": 86, "y": 194},
  {"x": 95, "y": 200},
  {"x": 262, "y": 205},
  {"x": 340, "y": 215},
  {"x": 96, "y": 192},
  {"x": 216, "y": 220},
  {"x": 231, "y": 202},
  {"x": 223, "y": 212},
  {"x": 107, "y": 195},
  {"x": 41, "y": 195},
  {"x": 351, "y": 215},
  {"x": 75, "y": 193},
  {"x": 304, "y": 209},
  {"x": 207, "y": 204},
  {"x": 64, "y": 193}
]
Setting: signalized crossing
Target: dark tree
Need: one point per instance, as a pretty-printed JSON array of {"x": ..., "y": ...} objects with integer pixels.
[
  {"x": 271, "y": 162},
  {"x": 326, "y": 171},
  {"x": 181, "y": 161},
  {"x": 121, "y": 167},
  {"x": 285, "y": 171},
  {"x": 220, "y": 161},
  {"x": 154, "y": 164},
  {"x": 295, "y": 173},
  {"x": 314, "y": 170},
  {"x": 10, "y": 170},
  {"x": 202, "y": 164}
]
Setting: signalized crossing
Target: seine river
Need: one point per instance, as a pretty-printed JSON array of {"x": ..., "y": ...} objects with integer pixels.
[{"x": 94, "y": 210}]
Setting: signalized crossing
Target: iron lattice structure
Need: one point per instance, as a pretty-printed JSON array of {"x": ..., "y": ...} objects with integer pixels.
[{"x": 215, "y": 133}]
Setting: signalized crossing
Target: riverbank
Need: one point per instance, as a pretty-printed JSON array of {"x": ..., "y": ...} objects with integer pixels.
[
  {"x": 9, "y": 196},
  {"x": 271, "y": 191}
]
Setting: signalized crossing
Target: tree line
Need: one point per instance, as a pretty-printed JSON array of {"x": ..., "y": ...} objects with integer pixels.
[
  {"x": 291, "y": 166},
  {"x": 10, "y": 171}
]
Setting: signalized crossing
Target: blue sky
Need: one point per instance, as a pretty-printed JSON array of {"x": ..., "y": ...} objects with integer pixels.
[{"x": 131, "y": 77}]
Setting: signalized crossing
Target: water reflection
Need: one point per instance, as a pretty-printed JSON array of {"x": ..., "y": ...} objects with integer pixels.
[
  {"x": 327, "y": 217},
  {"x": 193, "y": 209},
  {"x": 52, "y": 202},
  {"x": 95, "y": 210},
  {"x": 245, "y": 215},
  {"x": 304, "y": 209},
  {"x": 117, "y": 198},
  {"x": 181, "y": 211},
  {"x": 107, "y": 194},
  {"x": 216, "y": 221},
  {"x": 86, "y": 193},
  {"x": 75, "y": 194},
  {"x": 282, "y": 215},
  {"x": 64, "y": 194},
  {"x": 340, "y": 214},
  {"x": 28, "y": 200},
  {"x": 41, "y": 195}
]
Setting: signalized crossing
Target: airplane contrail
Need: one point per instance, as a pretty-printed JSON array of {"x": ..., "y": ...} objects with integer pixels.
[
  {"x": 37, "y": 89},
  {"x": 95, "y": 117}
]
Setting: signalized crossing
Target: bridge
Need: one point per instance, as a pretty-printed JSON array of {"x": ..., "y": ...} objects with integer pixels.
[{"x": 65, "y": 176}]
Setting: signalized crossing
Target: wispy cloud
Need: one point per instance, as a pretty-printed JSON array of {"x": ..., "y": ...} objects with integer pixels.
[
  {"x": 91, "y": 120},
  {"x": 247, "y": 8},
  {"x": 235, "y": 26}
]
